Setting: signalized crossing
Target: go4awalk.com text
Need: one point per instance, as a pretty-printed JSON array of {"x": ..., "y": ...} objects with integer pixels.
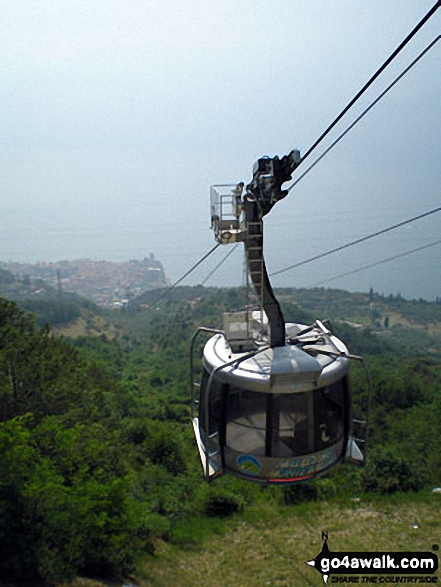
[{"x": 386, "y": 568}]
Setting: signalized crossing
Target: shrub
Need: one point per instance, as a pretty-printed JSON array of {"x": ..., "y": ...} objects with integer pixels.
[
  {"x": 299, "y": 493},
  {"x": 164, "y": 447},
  {"x": 326, "y": 489},
  {"x": 387, "y": 472},
  {"x": 222, "y": 503}
]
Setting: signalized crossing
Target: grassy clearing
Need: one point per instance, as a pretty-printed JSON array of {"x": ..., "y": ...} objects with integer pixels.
[
  {"x": 268, "y": 546},
  {"x": 87, "y": 326}
]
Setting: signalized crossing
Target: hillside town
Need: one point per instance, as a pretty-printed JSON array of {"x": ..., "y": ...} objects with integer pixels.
[{"x": 106, "y": 283}]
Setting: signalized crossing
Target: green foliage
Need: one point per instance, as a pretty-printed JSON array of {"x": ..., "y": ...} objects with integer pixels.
[
  {"x": 221, "y": 503},
  {"x": 326, "y": 489},
  {"x": 158, "y": 525},
  {"x": 164, "y": 447},
  {"x": 195, "y": 530},
  {"x": 364, "y": 341},
  {"x": 300, "y": 493},
  {"x": 52, "y": 311},
  {"x": 97, "y": 457},
  {"x": 39, "y": 373},
  {"x": 387, "y": 472},
  {"x": 65, "y": 505}
]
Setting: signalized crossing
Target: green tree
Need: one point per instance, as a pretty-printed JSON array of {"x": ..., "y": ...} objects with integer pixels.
[
  {"x": 66, "y": 505},
  {"x": 39, "y": 373}
]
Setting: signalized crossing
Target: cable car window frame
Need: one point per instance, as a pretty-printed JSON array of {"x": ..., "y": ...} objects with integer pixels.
[
  {"x": 215, "y": 421},
  {"x": 274, "y": 434},
  {"x": 219, "y": 411}
]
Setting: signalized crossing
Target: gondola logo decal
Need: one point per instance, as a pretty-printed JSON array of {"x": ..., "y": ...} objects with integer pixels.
[
  {"x": 307, "y": 465},
  {"x": 249, "y": 464}
]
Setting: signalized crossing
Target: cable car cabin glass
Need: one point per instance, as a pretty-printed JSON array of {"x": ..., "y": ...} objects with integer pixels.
[{"x": 272, "y": 437}]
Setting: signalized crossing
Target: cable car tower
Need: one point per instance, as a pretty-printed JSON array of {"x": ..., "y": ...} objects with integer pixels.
[{"x": 273, "y": 402}]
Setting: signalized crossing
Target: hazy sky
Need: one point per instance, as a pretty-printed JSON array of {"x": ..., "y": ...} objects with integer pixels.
[{"x": 117, "y": 115}]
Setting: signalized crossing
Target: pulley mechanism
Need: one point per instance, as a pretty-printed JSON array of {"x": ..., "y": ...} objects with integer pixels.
[{"x": 229, "y": 215}]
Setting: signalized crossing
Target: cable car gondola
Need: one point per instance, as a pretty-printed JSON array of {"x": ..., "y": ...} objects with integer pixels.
[{"x": 273, "y": 403}]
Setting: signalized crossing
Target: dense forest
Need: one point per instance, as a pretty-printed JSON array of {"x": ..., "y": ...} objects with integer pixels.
[{"x": 97, "y": 458}]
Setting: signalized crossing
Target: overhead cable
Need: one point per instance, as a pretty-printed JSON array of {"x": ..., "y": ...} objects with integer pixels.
[
  {"x": 357, "y": 241},
  {"x": 187, "y": 273},
  {"x": 219, "y": 264},
  {"x": 351, "y": 126},
  {"x": 377, "y": 263},
  {"x": 325, "y": 133},
  {"x": 373, "y": 78}
]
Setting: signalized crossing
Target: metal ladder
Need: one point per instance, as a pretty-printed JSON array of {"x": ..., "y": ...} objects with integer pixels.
[{"x": 255, "y": 265}]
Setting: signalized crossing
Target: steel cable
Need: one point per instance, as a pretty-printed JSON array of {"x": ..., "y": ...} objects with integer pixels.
[
  {"x": 371, "y": 265},
  {"x": 357, "y": 241},
  {"x": 374, "y": 77},
  {"x": 351, "y": 126}
]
